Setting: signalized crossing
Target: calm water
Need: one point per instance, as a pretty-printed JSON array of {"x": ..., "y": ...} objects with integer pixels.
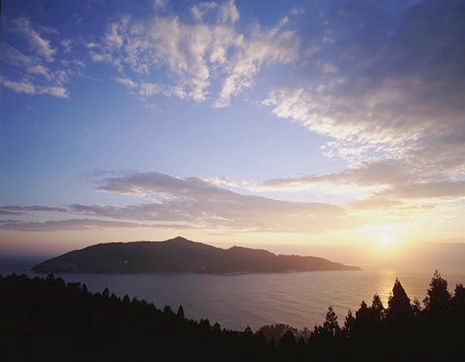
[{"x": 235, "y": 301}]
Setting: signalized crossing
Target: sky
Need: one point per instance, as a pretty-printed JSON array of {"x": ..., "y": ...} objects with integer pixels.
[{"x": 293, "y": 126}]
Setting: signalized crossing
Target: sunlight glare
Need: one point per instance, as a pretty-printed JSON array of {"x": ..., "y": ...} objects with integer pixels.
[{"x": 385, "y": 240}]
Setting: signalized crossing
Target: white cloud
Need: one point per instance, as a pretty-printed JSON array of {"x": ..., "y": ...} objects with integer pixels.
[
  {"x": 189, "y": 202},
  {"x": 29, "y": 88},
  {"x": 13, "y": 56},
  {"x": 20, "y": 87},
  {"x": 59, "y": 92},
  {"x": 127, "y": 82},
  {"x": 70, "y": 224},
  {"x": 383, "y": 94},
  {"x": 229, "y": 12},
  {"x": 390, "y": 121},
  {"x": 37, "y": 43},
  {"x": 60, "y": 76},
  {"x": 385, "y": 183},
  {"x": 36, "y": 70},
  {"x": 160, "y": 3},
  {"x": 39, "y": 69},
  {"x": 262, "y": 47},
  {"x": 196, "y": 57},
  {"x": 67, "y": 44},
  {"x": 197, "y": 202},
  {"x": 168, "y": 201},
  {"x": 91, "y": 45},
  {"x": 143, "y": 90},
  {"x": 199, "y": 10},
  {"x": 113, "y": 37},
  {"x": 148, "y": 89},
  {"x": 297, "y": 11},
  {"x": 96, "y": 57}
]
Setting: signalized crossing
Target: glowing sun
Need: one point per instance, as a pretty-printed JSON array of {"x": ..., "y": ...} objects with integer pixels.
[{"x": 385, "y": 240}]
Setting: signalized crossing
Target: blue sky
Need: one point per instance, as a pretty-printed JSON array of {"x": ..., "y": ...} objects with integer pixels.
[{"x": 285, "y": 124}]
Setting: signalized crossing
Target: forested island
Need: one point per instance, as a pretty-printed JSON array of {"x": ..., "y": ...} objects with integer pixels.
[
  {"x": 179, "y": 255},
  {"x": 50, "y": 320}
]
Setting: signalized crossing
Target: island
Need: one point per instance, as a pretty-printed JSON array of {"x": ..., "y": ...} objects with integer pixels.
[{"x": 179, "y": 255}]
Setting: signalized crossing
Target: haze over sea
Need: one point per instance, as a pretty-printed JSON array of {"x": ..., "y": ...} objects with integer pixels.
[{"x": 299, "y": 299}]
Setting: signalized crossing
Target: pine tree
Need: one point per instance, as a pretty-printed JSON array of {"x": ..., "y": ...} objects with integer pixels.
[
  {"x": 331, "y": 324},
  {"x": 349, "y": 324},
  {"x": 399, "y": 308},
  {"x": 438, "y": 297},
  {"x": 377, "y": 308},
  {"x": 458, "y": 300},
  {"x": 362, "y": 316},
  {"x": 416, "y": 307},
  {"x": 180, "y": 312}
]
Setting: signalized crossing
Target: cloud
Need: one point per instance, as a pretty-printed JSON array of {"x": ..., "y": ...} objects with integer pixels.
[
  {"x": 384, "y": 183},
  {"x": 383, "y": 83},
  {"x": 39, "y": 70},
  {"x": 30, "y": 209},
  {"x": 297, "y": 11},
  {"x": 379, "y": 173},
  {"x": 229, "y": 12},
  {"x": 13, "y": 56},
  {"x": 440, "y": 190},
  {"x": 10, "y": 213},
  {"x": 190, "y": 202},
  {"x": 168, "y": 201},
  {"x": 129, "y": 83},
  {"x": 154, "y": 183},
  {"x": 199, "y": 10},
  {"x": 160, "y": 3},
  {"x": 71, "y": 224},
  {"x": 263, "y": 47},
  {"x": 29, "y": 88},
  {"x": 67, "y": 44},
  {"x": 143, "y": 90},
  {"x": 38, "y": 44},
  {"x": 59, "y": 92},
  {"x": 20, "y": 87},
  {"x": 200, "y": 55},
  {"x": 201, "y": 203},
  {"x": 35, "y": 70},
  {"x": 148, "y": 89}
]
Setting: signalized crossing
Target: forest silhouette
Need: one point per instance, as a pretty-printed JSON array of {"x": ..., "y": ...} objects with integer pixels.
[{"x": 48, "y": 319}]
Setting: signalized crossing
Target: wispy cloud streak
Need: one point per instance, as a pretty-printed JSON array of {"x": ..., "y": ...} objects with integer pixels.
[
  {"x": 390, "y": 87},
  {"x": 39, "y": 68},
  {"x": 195, "y": 203}
]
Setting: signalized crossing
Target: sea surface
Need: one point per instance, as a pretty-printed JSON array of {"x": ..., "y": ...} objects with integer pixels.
[{"x": 299, "y": 299}]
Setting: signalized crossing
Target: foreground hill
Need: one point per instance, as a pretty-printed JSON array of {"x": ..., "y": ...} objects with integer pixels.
[{"x": 179, "y": 255}]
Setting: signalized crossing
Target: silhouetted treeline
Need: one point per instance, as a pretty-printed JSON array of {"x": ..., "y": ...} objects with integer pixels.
[{"x": 48, "y": 319}]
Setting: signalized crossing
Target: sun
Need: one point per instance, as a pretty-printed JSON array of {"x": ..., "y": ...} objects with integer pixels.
[{"x": 385, "y": 240}]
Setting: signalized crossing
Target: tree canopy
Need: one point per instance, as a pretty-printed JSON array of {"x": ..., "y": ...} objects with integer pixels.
[{"x": 81, "y": 324}]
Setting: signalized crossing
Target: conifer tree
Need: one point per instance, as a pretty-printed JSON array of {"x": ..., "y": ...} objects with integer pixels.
[
  {"x": 180, "y": 312},
  {"x": 438, "y": 296},
  {"x": 331, "y": 324},
  {"x": 377, "y": 307},
  {"x": 348, "y": 325},
  {"x": 458, "y": 300},
  {"x": 399, "y": 308}
]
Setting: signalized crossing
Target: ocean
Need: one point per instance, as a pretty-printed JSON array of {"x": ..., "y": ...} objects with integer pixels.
[{"x": 299, "y": 299}]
